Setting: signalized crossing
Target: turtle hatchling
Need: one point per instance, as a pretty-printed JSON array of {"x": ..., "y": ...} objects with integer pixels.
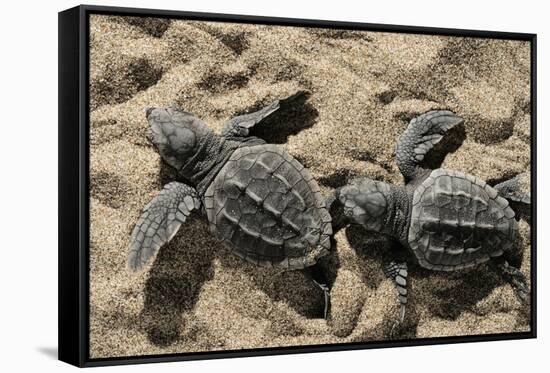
[
  {"x": 447, "y": 219},
  {"x": 258, "y": 200}
]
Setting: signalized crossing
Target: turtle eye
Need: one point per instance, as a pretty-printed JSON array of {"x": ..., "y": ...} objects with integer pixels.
[{"x": 183, "y": 140}]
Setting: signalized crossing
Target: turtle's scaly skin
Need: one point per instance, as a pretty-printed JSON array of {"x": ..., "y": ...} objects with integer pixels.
[
  {"x": 266, "y": 207},
  {"x": 449, "y": 220},
  {"x": 421, "y": 135},
  {"x": 458, "y": 221},
  {"x": 258, "y": 200}
]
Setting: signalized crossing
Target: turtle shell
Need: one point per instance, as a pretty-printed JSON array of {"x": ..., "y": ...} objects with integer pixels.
[
  {"x": 268, "y": 209},
  {"x": 458, "y": 221}
]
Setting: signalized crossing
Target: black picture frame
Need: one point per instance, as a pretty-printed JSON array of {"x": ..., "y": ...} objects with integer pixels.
[{"x": 74, "y": 181}]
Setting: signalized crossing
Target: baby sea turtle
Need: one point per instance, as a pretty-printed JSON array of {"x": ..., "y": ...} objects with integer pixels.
[
  {"x": 258, "y": 200},
  {"x": 447, "y": 219}
]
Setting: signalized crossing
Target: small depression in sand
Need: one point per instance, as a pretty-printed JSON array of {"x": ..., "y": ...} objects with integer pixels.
[{"x": 363, "y": 87}]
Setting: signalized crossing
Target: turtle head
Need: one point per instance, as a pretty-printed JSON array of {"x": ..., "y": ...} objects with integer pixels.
[
  {"x": 366, "y": 202},
  {"x": 176, "y": 134}
]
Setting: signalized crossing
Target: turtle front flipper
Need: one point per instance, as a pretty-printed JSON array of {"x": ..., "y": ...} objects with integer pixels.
[
  {"x": 420, "y": 136},
  {"x": 511, "y": 190},
  {"x": 398, "y": 273},
  {"x": 284, "y": 111},
  {"x": 159, "y": 222},
  {"x": 240, "y": 126}
]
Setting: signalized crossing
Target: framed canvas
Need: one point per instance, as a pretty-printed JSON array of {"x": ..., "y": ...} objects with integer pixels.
[{"x": 234, "y": 186}]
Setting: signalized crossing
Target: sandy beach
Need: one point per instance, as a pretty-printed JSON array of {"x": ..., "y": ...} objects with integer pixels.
[{"x": 363, "y": 88}]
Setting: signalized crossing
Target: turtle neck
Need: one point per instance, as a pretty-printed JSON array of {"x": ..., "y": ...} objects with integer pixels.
[{"x": 212, "y": 154}]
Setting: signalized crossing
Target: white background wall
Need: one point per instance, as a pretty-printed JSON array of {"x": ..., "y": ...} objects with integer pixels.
[{"x": 28, "y": 183}]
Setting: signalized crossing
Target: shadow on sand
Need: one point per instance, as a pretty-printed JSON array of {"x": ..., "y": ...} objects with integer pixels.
[{"x": 175, "y": 280}]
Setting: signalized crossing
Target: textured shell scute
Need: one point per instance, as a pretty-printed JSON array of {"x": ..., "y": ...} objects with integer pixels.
[
  {"x": 458, "y": 221},
  {"x": 268, "y": 209}
]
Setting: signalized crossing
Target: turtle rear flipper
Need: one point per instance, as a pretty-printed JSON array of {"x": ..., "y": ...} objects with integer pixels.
[
  {"x": 513, "y": 276},
  {"x": 420, "y": 136},
  {"x": 320, "y": 279},
  {"x": 511, "y": 190},
  {"x": 159, "y": 222}
]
